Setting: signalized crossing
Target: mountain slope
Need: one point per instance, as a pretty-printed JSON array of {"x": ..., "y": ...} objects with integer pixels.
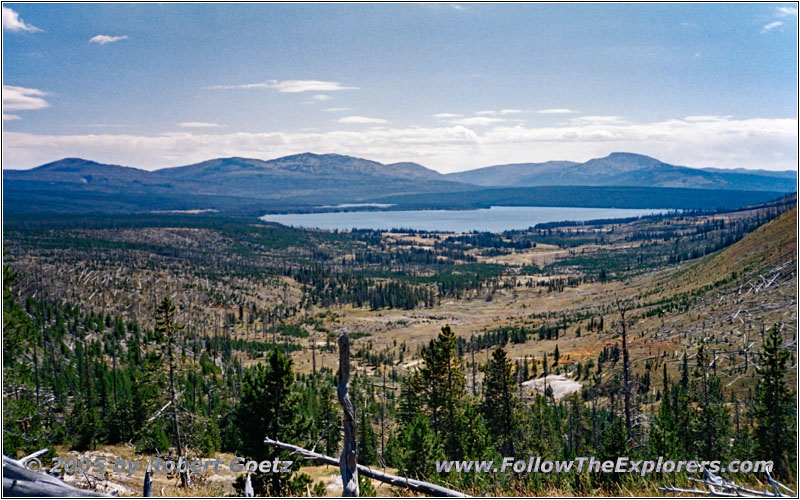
[
  {"x": 625, "y": 169},
  {"x": 228, "y": 184},
  {"x": 516, "y": 174},
  {"x": 308, "y": 177},
  {"x": 86, "y": 172},
  {"x": 305, "y": 181}
]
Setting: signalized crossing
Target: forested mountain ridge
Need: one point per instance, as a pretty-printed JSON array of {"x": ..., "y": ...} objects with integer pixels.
[
  {"x": 626, "y": 169},
  {"x": 305, "y": 181},
  {"x": 240, "y": 185}
]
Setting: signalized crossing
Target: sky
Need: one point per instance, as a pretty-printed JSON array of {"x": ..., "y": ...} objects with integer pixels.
[{"x": 450, "y": 86}]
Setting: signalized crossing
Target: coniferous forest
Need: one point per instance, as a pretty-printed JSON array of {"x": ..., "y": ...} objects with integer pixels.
[{"x": 196, "y": 337}]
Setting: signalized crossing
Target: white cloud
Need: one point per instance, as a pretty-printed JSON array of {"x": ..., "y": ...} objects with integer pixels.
[
  {"x": 10, "y": 116},
  {"x": 336, "y": 110},
  {"x": 260, "y": 85},
  {"x": 457, "y": 7},
  {"x": 104, "y": 39},
  {"x": 12, "y": 22},
  {"x": 295, "y": 86},
  {"x": 21, "y": 98},
  {"x": 707, "y": 118},
  {"x": 499, "y": 113},
  {"x": 599, "y": 120},
  {"x": 446, "y": 116},
  {"x": 288, "y": 86},
  {"x": 362, "y": 120},
  {"x": 321, "y": 98},
  {"x": 198, "y": 125},
  {"x": 556, "y": 111},
  {"x": 768, "y": 143},
  {"x": 479, "y": 121},
  {"x": 771, "y": 26},
  {"x": 787, "y": 11}
]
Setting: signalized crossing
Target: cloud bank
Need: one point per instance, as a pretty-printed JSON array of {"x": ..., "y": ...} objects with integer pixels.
[{"x": 698, "y": 141}]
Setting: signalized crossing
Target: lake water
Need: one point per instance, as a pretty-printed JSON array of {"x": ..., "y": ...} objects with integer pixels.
[{"x": 494, "y": 219}]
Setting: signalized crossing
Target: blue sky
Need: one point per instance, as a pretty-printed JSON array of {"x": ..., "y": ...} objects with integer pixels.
[{"x": 451, "y": 86}]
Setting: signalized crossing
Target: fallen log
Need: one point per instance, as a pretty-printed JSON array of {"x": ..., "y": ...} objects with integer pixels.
[
  {"x": 719, "y": 487},
  {"x": 18, "y": 481},
  {"x": 402, "y": 482}
]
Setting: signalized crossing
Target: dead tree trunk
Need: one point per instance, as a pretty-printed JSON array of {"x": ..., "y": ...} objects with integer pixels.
[
  {"x": 348, "y": 459},
  {"x": 148, "y": 485},
  {"x": 625, "y": 369},
  {"x": 401, "y": 482}
]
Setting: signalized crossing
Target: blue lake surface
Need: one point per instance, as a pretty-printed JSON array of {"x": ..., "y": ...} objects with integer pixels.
[{"x": 494, "y": 219}]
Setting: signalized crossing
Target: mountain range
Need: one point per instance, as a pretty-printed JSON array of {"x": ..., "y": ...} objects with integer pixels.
[
  {"x": 304, "y": 181},
  {"x": 625, "y": 169}
]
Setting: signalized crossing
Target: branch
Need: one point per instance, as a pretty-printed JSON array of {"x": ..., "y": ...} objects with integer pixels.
[
  {"x": 402, "y": 482},
  {"x": 155, "y": 416}
]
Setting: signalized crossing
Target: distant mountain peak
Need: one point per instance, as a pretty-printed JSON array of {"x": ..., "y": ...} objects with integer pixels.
[
  {"x": 71, "y": 162},
  {"x": 624, "y": 154},
  {"x": 621, "y": 169}
]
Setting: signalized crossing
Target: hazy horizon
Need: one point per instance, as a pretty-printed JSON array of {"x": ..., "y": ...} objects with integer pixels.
[{"x": 698, "y": 167}]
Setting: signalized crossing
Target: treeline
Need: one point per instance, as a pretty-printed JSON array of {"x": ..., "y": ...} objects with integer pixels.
[
  {"x": 439, "y": 419},
  {"x": 391, "y": 290},
  {"x": 83, "y": 379}
]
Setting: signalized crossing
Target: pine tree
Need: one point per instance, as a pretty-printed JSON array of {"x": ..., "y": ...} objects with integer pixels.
[
  {"x": 21, "y": 422},
  {"x": 500, "y": 406},
  {"x": 444, "y": 390},
  {"x": 664, "y": 436},
  {"x": 774, "y": 412},
  {"x": 417, "y": 449},
  {"x": 269, "y": 407},
  {"x": 367, "y": 440},
  {"x": 711, "y": 421}
]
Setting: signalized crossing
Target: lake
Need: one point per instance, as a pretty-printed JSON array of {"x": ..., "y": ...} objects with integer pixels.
[{"x": 494, "y": 219}]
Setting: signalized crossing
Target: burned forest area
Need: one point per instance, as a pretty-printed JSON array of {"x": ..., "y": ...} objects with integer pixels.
[{"x": 200, "y": 336}]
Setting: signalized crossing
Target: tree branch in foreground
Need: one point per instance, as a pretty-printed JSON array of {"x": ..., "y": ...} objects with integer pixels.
[{"x": 402, "y": 482}]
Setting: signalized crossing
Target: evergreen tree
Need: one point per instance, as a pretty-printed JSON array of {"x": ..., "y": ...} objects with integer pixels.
[
  {"x": 774, "y": 412},
  {"x": 22, "y": 423},
  {"x": 500, "y": 406},
  {"x": 711, "y": 422},
  {"x": 367, "y": 440},
  {"x": 664, "y": 436},
  {"x": 269, "y": 407},
  {"x": 417, "y": 449},
  {"x": 444, "y": 390}
]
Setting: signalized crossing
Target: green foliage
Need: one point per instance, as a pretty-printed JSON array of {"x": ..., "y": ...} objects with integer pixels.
[
  {"x": 501, "y": 407},
  {"x": 710, "y": 423},
  {"x": 365, "y": 487},
  {"x": 269, "y": 407},
  {"x": 775, "y": 412}
]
